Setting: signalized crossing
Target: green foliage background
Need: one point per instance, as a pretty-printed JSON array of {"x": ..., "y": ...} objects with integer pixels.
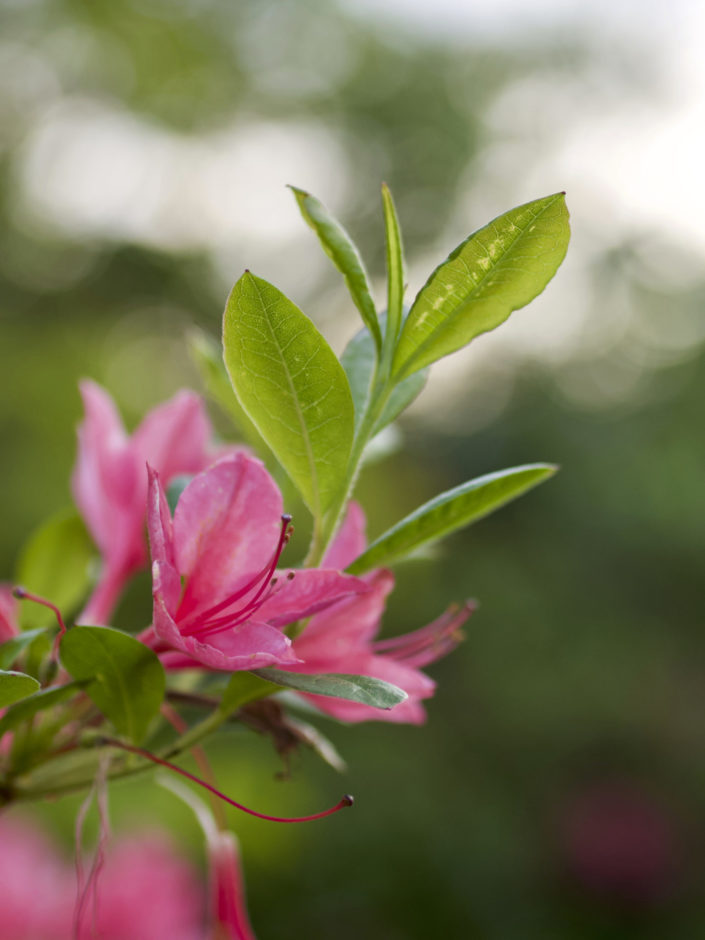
[{"x": 583, "y": 667}]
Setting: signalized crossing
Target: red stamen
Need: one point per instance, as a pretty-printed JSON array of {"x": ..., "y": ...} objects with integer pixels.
[
  {"x": 21, "y": 594},
  {"x": 347, "y": 800},
  {"x": 201, "y": 619}
]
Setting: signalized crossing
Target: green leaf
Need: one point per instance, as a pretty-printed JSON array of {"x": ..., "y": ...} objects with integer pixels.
[
  {"x": 358, "y": 360},
  {"x": 127, "y": 679},
  {"x": 15, "y": 686},
  {"x": 208, "y": 356},
  {"x": 242, "y": 688},
  {"x": 56, "y": 563},
  {"x": 450, "y": 511},
  {"x": 11, "y": 649},
  {"x": 363, "y": 689},
  {"x": 338, "y": 245},
  {"x": 395, "y": 268},
  {"x": 494, "y": 272},
  {"x": 29, "y": 707},
  {"x": 292, "y": 386}
]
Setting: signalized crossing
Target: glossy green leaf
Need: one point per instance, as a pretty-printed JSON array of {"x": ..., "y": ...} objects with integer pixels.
[
  {"x": 242, "y": 688},
  {"x": 338, "y": 245},
  {"x": 358, "y": 360},
  {"x": 363, "y": 689},
  {"x": 56, "y": 563},
  {"x": 395, "y": 268},
  {"x": 127, "y": 679},
  {"x": 499, "y": 269},
  {"x": 11, "y": 649},
  {"x": 38, "y": 702},
  {"x": 450, "y": 511},
  {"x": 292, "y": 386},
  {"x": 15, "y": 686},
  {"x": 208, "y": 356}
]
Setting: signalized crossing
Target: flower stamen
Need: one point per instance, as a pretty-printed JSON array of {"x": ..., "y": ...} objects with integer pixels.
[{"x": 346, "y": 800}]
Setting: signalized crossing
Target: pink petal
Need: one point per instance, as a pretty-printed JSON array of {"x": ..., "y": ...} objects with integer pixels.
[
  {"x": 107, "y": 479},
  {"x": 173, "y": 438},
  {"x": 226, "y": 528},
  {"x": 8, "y": 614},
  {"x": 147, "y": 892},
  {"x": 36, "y": 889},
  {"x": 228, "y": 888},
  {"x": 166, "y": 583},
  {"x": 310, "y": 590},
  {"x": 350, "y": 540},
  {"x": 252, "y": 645},
  {"x": 346, "y": 627}
]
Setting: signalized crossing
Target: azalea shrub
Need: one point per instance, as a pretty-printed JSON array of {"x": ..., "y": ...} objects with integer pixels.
[{"x": 238, "y": 633}]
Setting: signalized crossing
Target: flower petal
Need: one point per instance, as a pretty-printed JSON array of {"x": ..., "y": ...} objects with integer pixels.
[
  {"x": 173, "y": 437},
  {"x": 308, "y": 591},
  {"x": 8, "y": 614},
  {"x": 350, "y": 540},
  {"x": 252, "y": 645},
  {"x": 226, "y": 528},
  {"x": 346, "y": 628},
  {"x": 166, "y": 583},
  {"x": 107, "y": 479}
]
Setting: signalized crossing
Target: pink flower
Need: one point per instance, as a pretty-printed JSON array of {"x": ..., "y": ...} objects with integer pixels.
[
  {"x": 8, "y": 614},
  {"x": 228, "y": 904},
  {"x": 110, "y": 481},
  {"x": 145, "y": 891},
  {"x": 621, "y": 843},
  {"x": 224, "y": 543},
  {"x": 340, "y": 639}
]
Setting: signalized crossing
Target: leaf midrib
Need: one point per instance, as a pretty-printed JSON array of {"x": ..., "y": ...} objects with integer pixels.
[
  {"x": 294, "y": 395},
  {"x": 121, "y": 686}
]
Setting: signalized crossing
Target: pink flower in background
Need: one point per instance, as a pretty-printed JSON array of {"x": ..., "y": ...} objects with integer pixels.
[
  {"x": 8, "y": 614},
  {"x": 145, "y": 891},
  {"x": 110, "y": 479},
  {"x": 620, "y": 843},
  {"x": 228, "y": 903},
  {"x": 341, "y": 639},
  {"x": 217, "y": 598}
]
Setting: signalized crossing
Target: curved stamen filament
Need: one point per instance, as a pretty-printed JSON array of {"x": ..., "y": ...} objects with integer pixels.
[
  {"x": 347, "y": 800},
  {"x": 21, "y": 594}
]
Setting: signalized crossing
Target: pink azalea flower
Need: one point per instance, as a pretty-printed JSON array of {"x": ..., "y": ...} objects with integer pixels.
[
  {"x": 341, "y": 639},
  {"x": 223, "y": 544},
  {"x": 228, "y": 904},
  {"x": 110, "y": 481},
  {"x": 8, "y": 614},
  {"x": 144, "y": 892}
]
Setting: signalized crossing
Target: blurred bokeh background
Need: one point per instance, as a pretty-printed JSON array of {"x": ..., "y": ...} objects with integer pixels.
[{"x": 558, "y": 787}]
